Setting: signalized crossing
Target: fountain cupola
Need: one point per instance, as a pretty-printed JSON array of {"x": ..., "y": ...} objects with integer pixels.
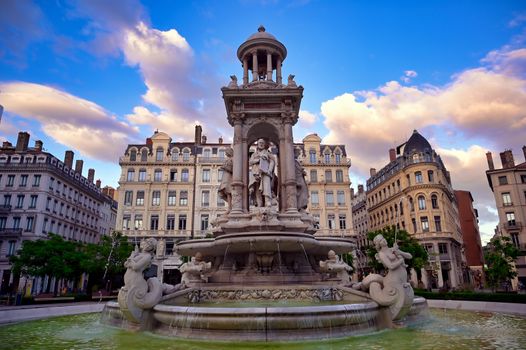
[{"x": 262, "y": 54}]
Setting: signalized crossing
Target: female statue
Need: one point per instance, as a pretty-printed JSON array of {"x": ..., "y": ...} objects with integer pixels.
[{"x": 225, "y": 188}]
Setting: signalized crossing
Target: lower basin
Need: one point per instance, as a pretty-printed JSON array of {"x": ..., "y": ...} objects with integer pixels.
[{"x": 444, "y": 329}]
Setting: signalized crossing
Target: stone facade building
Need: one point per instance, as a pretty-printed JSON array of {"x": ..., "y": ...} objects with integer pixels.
[
  {"x": 42, "y": 194},
  {"x": 509, "y": 188},
  {"x": 168, "y": 190},
  {"x": 413, "y": 192}
]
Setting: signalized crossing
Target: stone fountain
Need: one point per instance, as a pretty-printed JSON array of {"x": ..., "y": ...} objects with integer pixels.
[{"x": 265, "y": 275}]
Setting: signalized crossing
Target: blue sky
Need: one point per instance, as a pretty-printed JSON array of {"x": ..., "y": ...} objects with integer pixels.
[{"x": 95, "y": 75}]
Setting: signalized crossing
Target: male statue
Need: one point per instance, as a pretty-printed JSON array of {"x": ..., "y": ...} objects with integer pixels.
[{"x": 262, "y": 163}]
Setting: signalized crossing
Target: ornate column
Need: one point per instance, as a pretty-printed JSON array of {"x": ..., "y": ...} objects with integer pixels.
[
  {"x": 278, "y": 71},
  {"x": 254, "y": 65},
  {"x": 269, "y": 65},
  {"x": 237, "y": 173},
  {"x": 290, "y": 165},
  {"x": 245, "y": 70}
]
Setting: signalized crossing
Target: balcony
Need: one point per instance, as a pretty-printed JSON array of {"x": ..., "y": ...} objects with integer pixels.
[
  {"x": 326, "y": 232},
  {"x": 10, "y": 232},
  {"x": 5, "y": 208},
  {"x": 513, "y": 225}
]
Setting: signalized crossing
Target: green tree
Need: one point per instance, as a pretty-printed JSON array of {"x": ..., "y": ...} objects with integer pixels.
[
  {"x": 500, "y": 259},
  {"x": 406, "y": 242}
]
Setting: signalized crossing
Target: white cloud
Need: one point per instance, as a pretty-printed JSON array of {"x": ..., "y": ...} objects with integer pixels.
[
  {"x": 408, "y": 75},
  {"x": 69, "y": 120}
]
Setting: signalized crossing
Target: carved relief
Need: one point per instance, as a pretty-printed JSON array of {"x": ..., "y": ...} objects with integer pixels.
[{"x": 324, "y": 294}]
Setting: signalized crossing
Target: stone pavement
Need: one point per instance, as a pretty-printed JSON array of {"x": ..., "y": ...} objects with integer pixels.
[
  {"x": 13, "y": 314},
  {"x": 484, "y": 306}
]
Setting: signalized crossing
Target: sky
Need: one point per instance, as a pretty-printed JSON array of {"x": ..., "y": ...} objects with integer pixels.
[{"x": 93, "y": 76}]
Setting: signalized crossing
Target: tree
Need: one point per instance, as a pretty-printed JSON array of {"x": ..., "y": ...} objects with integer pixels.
[
  {"x": 406, "y": 242},
  {"x": 500, "y": 259}
]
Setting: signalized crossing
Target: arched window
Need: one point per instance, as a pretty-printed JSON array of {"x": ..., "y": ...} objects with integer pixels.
[
  {"x": 133, "y": 155},
  {"x": 327, "y": 157},
  {"x": 434, "y": 201},
  {"x": 175, "y": 154},
  {"x": 186, "y": 155},
  {"x": 337, "y": 157},
  {"x": 421, "y": 203},
  {"x": 144, "y": 155},
  {"x": 312, "y": 156},
  {"x": 184, "y": 175},
  {"x": 159, "y": 154},
  {"x": 411, "y": 204}
]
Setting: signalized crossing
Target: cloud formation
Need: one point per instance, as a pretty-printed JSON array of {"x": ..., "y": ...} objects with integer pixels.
[{"x": 69, "y": 120}]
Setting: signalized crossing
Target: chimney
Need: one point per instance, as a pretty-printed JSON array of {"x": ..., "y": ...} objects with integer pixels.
[
  {"x": 91, "y": 175},
  {"x": 524, "y": 152},
  {"x": 360, "y": 188},
  {"x": 372, "y": 171},
  {"x": 98, "y": 183},
  {"x": 198, "y": 133},
  {"x": 352, "y": 192},
  {"x": 203, "y": 139},
  {"x": 68, "y": 158},
  {"x": 392, "y": 154},
  {"x": 149, "y": 141},
  {"x": 221, "y": 141},
  {"x": 22, "y": 142},
  {"x": 78, "y": 166},
  {"x": 489, "y": 157},
  {"x": 39, "y": 145},
  {"x": 506, "y": 158},
  {"x": 6, "y": 144}
]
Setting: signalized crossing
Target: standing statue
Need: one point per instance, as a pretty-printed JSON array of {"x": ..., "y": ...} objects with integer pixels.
[
  {"x": 263, "y": 163},
  {"x": 225, "y": 188},
  {"x": 393, "y": 290},
  {"x": 302, "y": 191},
  {"x": 138, "y": 294}
]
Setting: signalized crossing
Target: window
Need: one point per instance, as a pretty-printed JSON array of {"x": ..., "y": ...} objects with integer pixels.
[
  {"x": 3, "y": 222},
  {"x": 328, "y": 175},
  {"x": 158, "y": 175},
  {"x": 173, "y": 175},
  {"x": 331, "y": 222},
  {"x": 126, "y": 221},
  {"x": 128, "y": 198},
  {"x": 205, "y": 198},
  {"x": 413, "y": 221},
  {"x": 182, "y": 222},
  {"x": 23, "y": 180},
  {"x": 16, "y": 222},
  {"x": 506, "y": 199},
  {"x": 313, "y": 176},
  {"x": 33, "y": 201},
  {"x": 312, "y": 156},
  {"x": 337, "y": 158},
  {"x": 10, "y": 180},
  {"x": 140, "y": 198},
  {"x": 36, "y": 180},
  {"x": 221, "y": 154},
  {"x": 154, "y": 222},
  {"x": 183, "y": 198},
  {"x": 11, "y": 248},
  {"x": 138, "y": 222},
  {"x": 327, "y": 158},
  {"x": 159, "y": 154},
  {"x": 401, "y": 208},
  {"x": 144, "y": 155},
  {"x": 186, "y": 155},
  {"x": 30, "y": 220},
  {"x": 219, "y": 175},
  {"x": 205, "y": 175},
  {"x": 170, "y": 222},
  {"x": 343, "y": 222},
  {"x": 523, "y": 179},
  {"x": 329, "y": 198},
  {"x": 184, "y": 175},
  {"x": 418, "y": 177},
  {"x": 172, "y": 198},
  {"x": 503, "y": 180},
  {"x": 48, "y": 204},
  {"x": 220, "y": 202},
  {"x": 438, "y": 224},
  {"x": 430, "y": 176},
  {"x": 341, "y": 197},
  {"x": 434, "y": 201},
  {"x": 175, "y": 154},
  {"x": 510, "y": 217},
  {"x": 204, "y": 222},
  {"x": 156, "y": 198},
  {"x": 133, "y": 155},
  {"x": 339, "y": 176},
  {"x": 425, "y": 224},
  {"x": 20, "y": 200},
  {"x": 314, "y": 199},
  {"x": 206, "y": 153},
  {"x": 7, "y": 200},
  {"x": 421, "y": 203},
  {"x": 142, "y": 175},
  {"x": 442, "y": 248},
  {"x": 408, "y": 180}
]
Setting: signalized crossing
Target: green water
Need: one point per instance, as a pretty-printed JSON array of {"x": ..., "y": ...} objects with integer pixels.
[{"x": 445, "y": 330}]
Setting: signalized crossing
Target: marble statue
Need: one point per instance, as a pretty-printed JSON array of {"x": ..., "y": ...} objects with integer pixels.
[
  {"x": 225, "y": 188},
  {"x": 262, "y": 164},
  {"x": 138, "y": 294},
  {"x": 233, "y": 82},
  {"x": 291, "y": 82},
  {"x": 336, "y": 267},
  {"x": 393, "y": 290},
  {"x": 195, "y": 270},
  {"x": 302, "y": 190}
]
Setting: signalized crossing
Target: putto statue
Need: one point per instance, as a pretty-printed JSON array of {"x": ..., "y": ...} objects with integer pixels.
[
  {"x": 393, "y": 290},
  {"x": 195, "y": 270},
  {"x": 262, "y": 163},
  {"x": 225, "y": 188},
  {"x": 138, "y": 294},
  {"x": 335, "y": 267}
]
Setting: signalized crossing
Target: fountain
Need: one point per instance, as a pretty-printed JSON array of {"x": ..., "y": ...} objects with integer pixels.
[{"x": 265, "y": 276}]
